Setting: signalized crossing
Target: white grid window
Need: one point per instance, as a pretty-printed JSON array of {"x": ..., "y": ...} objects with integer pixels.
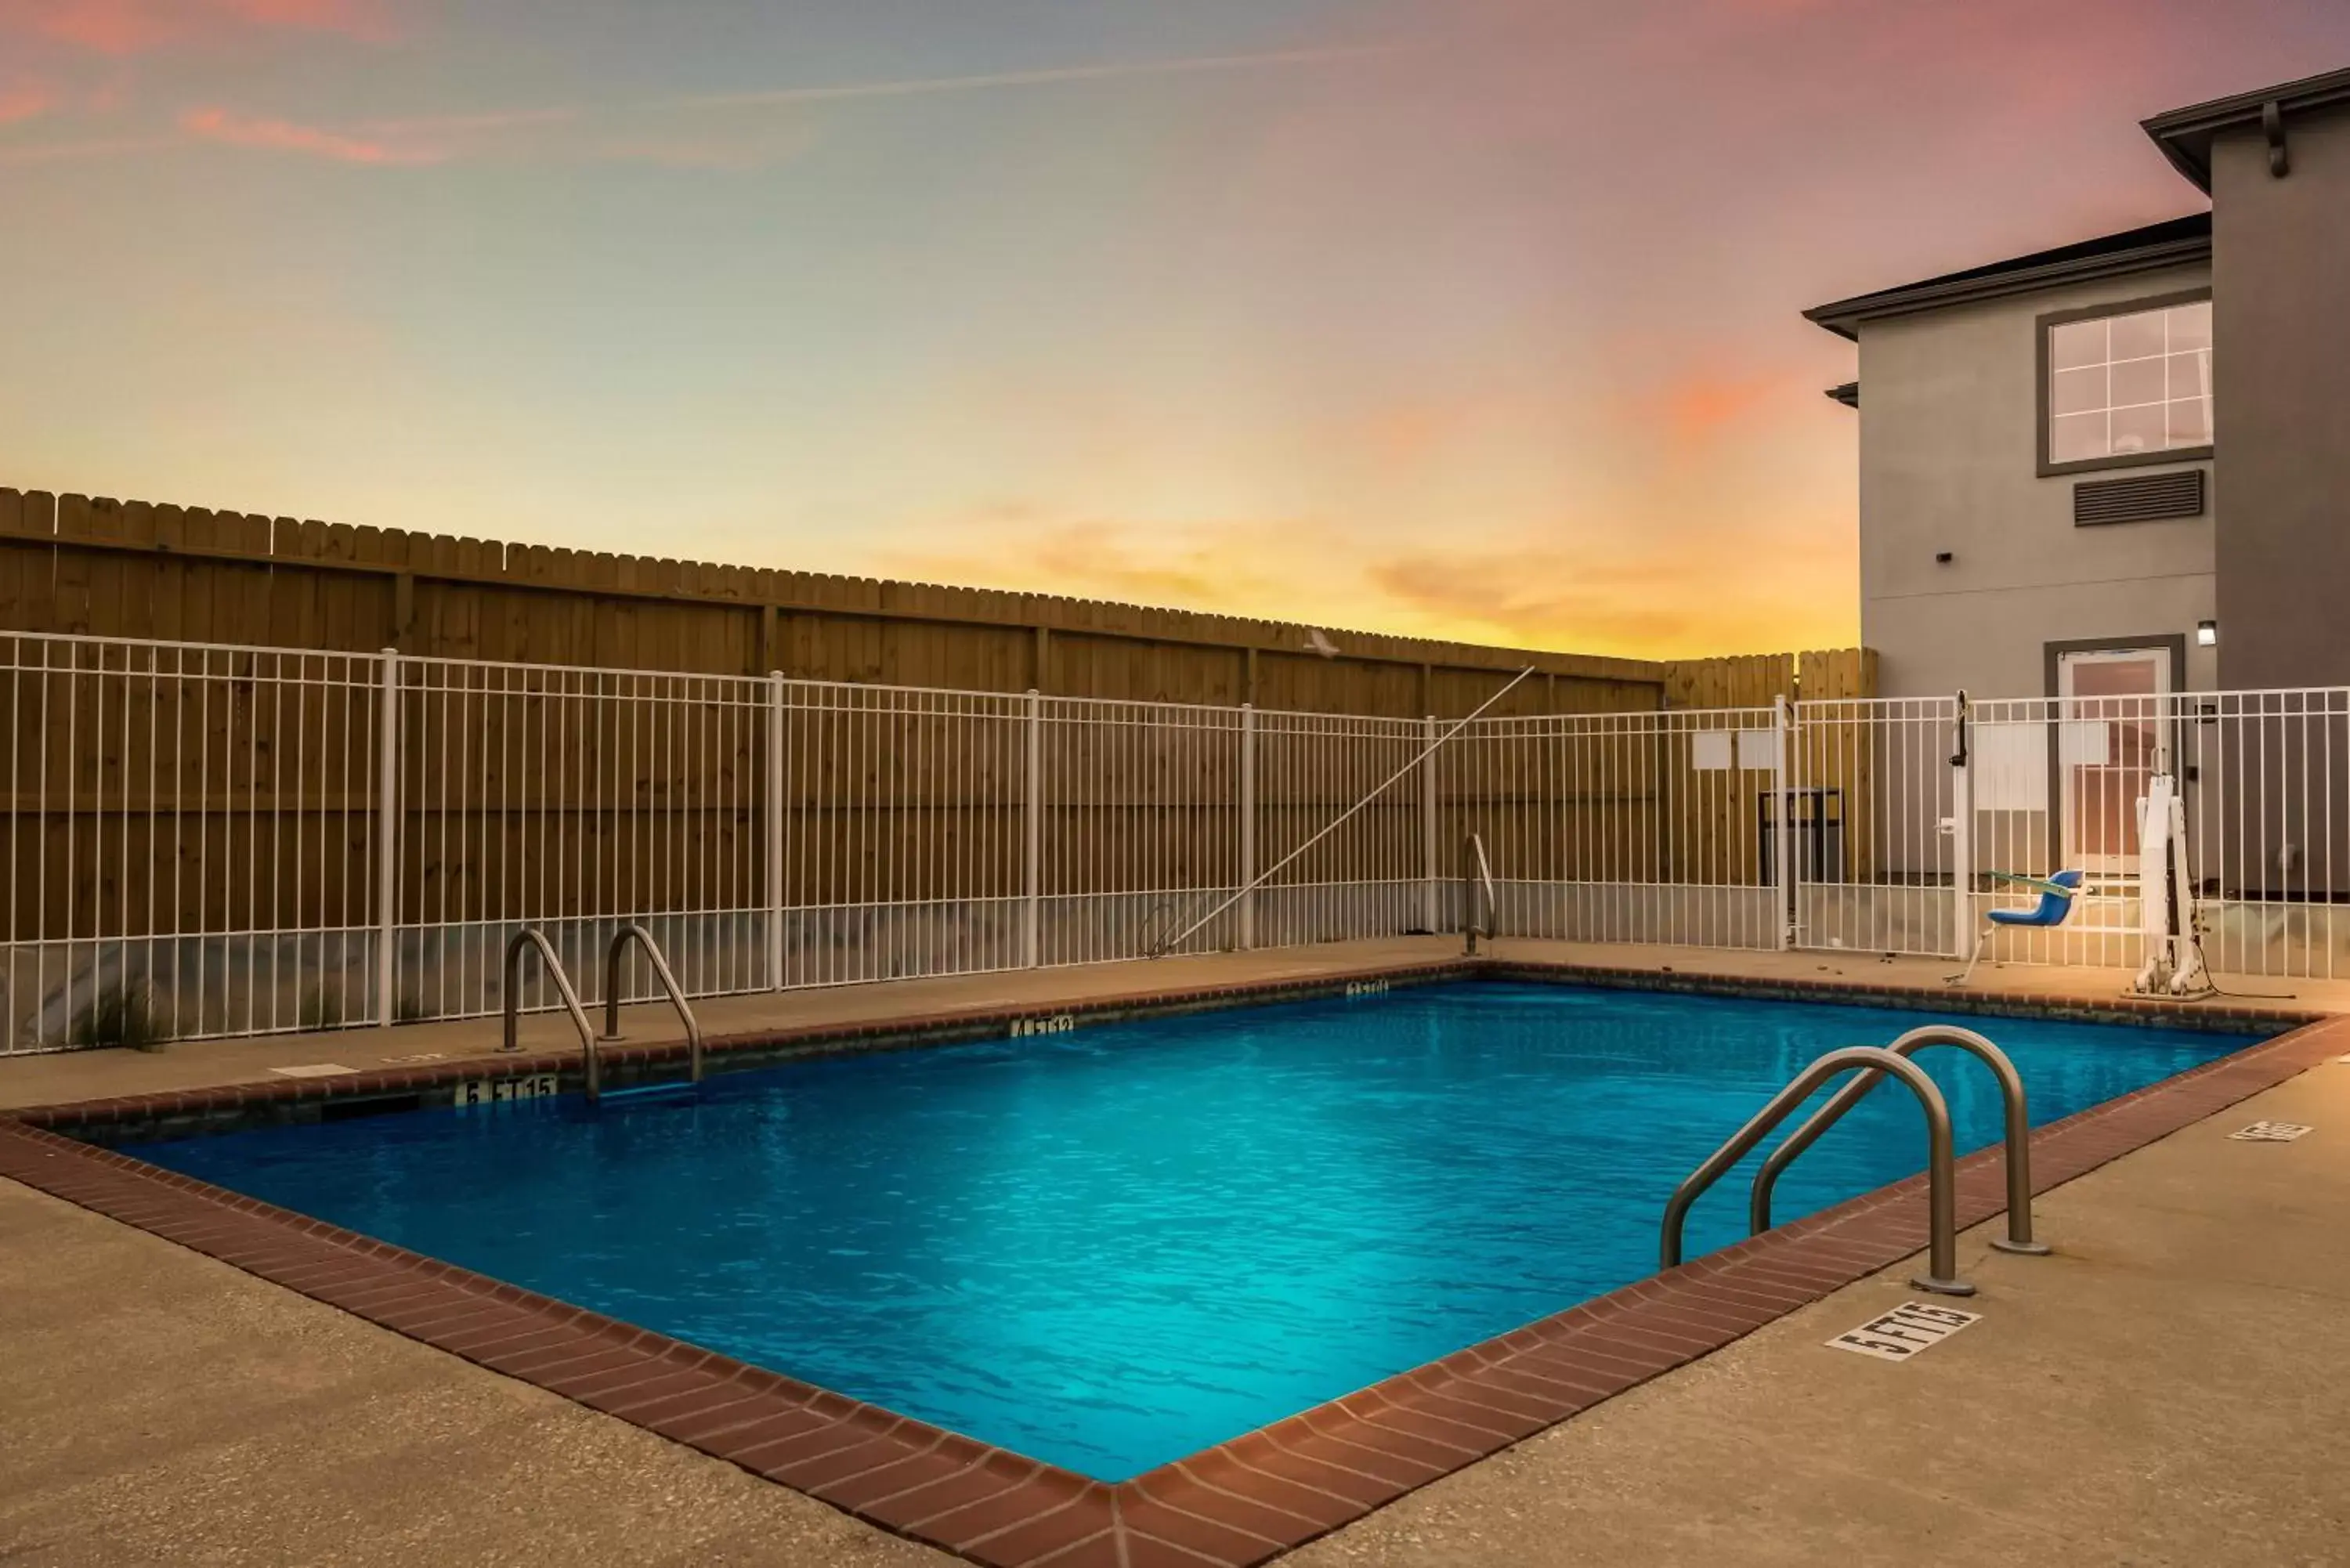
[{"x": 2121, "y": 385}]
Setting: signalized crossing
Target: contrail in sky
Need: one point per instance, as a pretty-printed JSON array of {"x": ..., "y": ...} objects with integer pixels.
[
  {"x": 491, "y": 123},
  {"x": 910, "y": 86}
]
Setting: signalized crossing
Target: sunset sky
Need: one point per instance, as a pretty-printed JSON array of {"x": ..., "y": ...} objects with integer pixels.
[{"x": 1472, "y": 318}]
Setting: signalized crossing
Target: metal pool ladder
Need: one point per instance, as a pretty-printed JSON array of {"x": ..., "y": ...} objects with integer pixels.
[
  {"x": 1941, "y": 1275},
  {"x": 635, "y": 932},
  {"x": 2018, "y": 1136},
  {"x": 532, "y": 937},
  {"x": 1476, "y": 877}
]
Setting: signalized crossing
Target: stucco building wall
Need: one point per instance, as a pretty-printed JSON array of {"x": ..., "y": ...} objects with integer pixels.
[
  {"x": 1948, "y": 462},
  {"x": 2281, "y": 403}
]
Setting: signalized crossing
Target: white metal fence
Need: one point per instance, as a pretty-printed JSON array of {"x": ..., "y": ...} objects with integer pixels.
[
  {"x": 1906, "y": 813},
  {"x": 1623, "y": 827},
  {"x": 208, "y": 840},
  {"x": 196, "y": 825},
  {"x": 2265, "y": 777},
  {"x": 1870, "y": 820}
]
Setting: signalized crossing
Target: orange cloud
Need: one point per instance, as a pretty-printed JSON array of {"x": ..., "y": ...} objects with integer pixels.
[
  {"x": 1227, "y": 566},
  {"x": 1416, "y": 428},
  {"x": 1206, "y": 565},
  {"x": 138, "y": 26},
  {"x": 1561, "y": 600},
  {"x": 285, "y": 136},
  {"x": 1636, "y": 587}
]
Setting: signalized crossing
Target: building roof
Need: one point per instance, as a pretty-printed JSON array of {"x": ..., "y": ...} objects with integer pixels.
[
  {"x": 2165, "y": 243},
  {"x": 2185, "y": 134}
]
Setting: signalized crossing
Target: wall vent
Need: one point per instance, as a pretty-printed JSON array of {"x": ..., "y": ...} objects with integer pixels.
[{"x": 2141, "y": 498}]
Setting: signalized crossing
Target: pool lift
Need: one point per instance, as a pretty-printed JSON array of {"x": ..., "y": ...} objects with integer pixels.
[
  {"x": 2165, "y": 892},
  {"x": 2059, "y": 891}
]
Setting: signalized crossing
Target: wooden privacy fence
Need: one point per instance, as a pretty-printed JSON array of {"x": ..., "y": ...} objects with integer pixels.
[
  {"x": 205, "y": 840},
  {"x": 94, "y": 566},
  {"x": 268, "y": 774}
]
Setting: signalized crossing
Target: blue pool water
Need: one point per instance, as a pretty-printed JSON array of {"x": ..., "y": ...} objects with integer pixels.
[{"x": 1110, "y": 1248}]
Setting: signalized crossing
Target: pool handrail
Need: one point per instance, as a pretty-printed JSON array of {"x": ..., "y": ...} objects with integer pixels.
[
  {"x": 1476, "y": 875},
  {"x": 1941, "y": 1182},
  {"x": 634, "y": 931},
  {"x": 2012, "y": 1100},
  {"x": 532, "y": 937}
]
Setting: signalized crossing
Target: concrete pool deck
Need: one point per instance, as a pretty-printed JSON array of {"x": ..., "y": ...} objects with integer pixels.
[
  {"x": 2160, "y": 1390},
  {"x": 69, "y": 1077},
  {"x": 2167, "y": 1387}
]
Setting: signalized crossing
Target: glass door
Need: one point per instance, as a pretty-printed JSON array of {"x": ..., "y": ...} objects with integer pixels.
[{"x": 2110, "y": 742}]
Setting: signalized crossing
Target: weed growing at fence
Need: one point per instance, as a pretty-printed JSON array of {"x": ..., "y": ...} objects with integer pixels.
[
  {"x": 120, "y": 1015},
  {"x": 322, "y": 1008}
]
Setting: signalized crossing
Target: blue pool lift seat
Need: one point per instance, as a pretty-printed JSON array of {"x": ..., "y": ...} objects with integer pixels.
[{"x": 2058, "y": 893}]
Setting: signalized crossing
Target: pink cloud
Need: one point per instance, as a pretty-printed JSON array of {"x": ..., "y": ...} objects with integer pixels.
[
  {"x": 285, "y": 136},
  {"x": 1702, "y": 405},
  {"x": 106, "y": 26},
  {"x": 139, "y": 26},
  {"x": 345, "y": 17},
  {"x": 25, "y": 101}
]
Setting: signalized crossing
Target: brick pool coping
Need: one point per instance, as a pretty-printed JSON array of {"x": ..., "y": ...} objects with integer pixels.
[
  {"x": 141, "y": 1118},
  {"x": 1237, "y": 1503}
]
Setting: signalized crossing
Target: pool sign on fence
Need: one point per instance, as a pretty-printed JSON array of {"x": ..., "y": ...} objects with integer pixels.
[{"x": 1905, "y": 1331}]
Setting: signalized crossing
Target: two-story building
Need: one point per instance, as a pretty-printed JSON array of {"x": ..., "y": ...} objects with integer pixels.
[
  {"x": 2109, "y": 473},
  {"x": 2123, "y": 464}
]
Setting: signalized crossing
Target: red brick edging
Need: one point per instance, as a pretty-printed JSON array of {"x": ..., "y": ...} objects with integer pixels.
[
  {"x": 130, "y": 1118},
  {"x": 138, "y": 1117},
  {"x": 1238, "y": 1503}
]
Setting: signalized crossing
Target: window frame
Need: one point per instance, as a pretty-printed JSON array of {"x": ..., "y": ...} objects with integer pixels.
[{"x": 2041, "y": 329}]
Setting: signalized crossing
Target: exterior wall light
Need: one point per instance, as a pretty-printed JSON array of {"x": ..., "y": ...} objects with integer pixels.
[{"x": 2207, "y": 634}]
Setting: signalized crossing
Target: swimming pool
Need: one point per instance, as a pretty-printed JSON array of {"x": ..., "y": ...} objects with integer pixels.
[{"x": 1110, "y": 1248}]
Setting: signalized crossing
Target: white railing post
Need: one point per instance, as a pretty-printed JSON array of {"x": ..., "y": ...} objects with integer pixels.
[
  {"x": 1032, "y": 854},
  {"x": 387, "y": 840},
  {"x": 1783, "y": 845},
  {"x": 1248, "y": 824},
  {"x": 1962, "y": 834},
  {"x": 1428, "y": 888},
  {"x": 775, "y": 830}
]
